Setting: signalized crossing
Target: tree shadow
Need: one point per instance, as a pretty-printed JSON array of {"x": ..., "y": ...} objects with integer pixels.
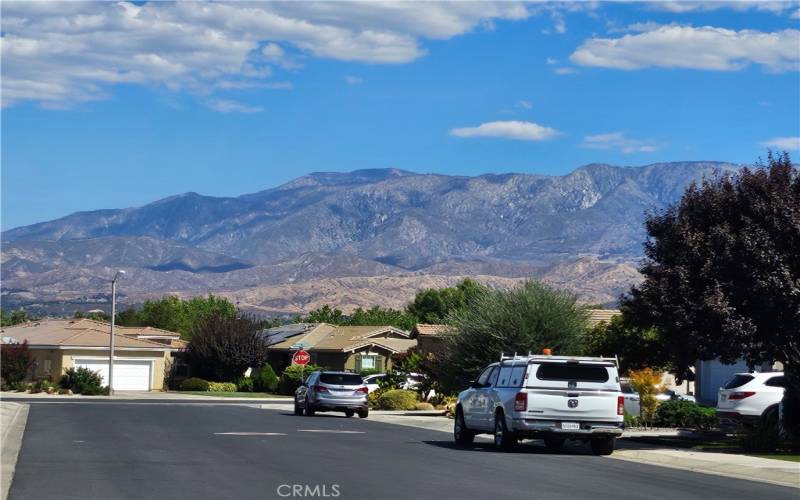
[{"x": 529, "y": 447}]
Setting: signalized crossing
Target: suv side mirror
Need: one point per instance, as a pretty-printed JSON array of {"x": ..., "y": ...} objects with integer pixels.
[{"x": 475, "y": 384}]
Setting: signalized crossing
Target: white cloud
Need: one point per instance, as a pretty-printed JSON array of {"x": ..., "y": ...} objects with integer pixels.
[
  {"x": 551, "y": 60},
  {"x": 565, "y": 70},
  {"x": 783, "y": 143},
  {"x": 524, "y": 104},
  {"x": 618, "y": 141},
  {"x": 229, "y": 106},
  {"x": 705, "y": 47},
  {"x": 353, "y": 80},
  {"x": 61, "y": 53},
  {"x": 740, "y": 5},
  {"x": 519, "y": 130}
]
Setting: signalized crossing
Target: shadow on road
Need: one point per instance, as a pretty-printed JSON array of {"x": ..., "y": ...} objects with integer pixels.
[{"x": 528, "y": 447}]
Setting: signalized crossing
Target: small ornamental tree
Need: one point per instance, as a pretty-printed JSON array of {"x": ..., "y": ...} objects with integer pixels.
[
  {"x": 647, "y": 382},
  {"x": 722, "y": 274},
  {"x": 223, "y": 347},
  {"x": 15, "y": 361}
]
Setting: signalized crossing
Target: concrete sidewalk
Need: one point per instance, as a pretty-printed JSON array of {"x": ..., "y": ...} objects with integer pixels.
[{"x": 13, "y": 417}]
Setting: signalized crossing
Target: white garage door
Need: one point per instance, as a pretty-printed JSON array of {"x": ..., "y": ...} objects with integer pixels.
[{"x": 129, "y": 374}]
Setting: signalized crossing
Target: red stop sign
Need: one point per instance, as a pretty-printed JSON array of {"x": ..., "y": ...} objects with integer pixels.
[{"x": 301, "y": 357}]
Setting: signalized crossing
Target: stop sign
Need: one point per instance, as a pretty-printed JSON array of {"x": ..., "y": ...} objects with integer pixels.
[{"x": 301, "y": 357}]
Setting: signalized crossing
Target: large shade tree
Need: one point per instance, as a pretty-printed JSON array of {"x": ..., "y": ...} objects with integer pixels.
[{"x": 722, "y": 273}]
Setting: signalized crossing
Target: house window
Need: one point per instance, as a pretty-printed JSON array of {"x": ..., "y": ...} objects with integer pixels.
[
  {"x": 48, "y": 364},
  {"x": 368, "y": 361}
]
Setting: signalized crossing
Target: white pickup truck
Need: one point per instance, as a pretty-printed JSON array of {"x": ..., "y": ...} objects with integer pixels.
[{"x": 544, "y": 397}]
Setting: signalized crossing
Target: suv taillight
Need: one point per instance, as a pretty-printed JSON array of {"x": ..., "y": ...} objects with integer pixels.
[
  {"x": 362, "y": 390},
  {"x": 321, "y": 388},
  {"x": 741, "y": 395},
  {"x": 521, "y": 401},
  {"x": 620, "y": 405}
]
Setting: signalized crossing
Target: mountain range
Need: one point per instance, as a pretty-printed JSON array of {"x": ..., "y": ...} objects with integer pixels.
[{"x": 351, "y": 239}]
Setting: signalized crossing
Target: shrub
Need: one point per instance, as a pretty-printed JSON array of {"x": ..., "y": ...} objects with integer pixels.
[
  {"x": 15, "y": 360},
  {"x": 244, "y": 384},
  {"x": 372, "y": 399},
  {"x": 631, "y": 420},
  {"x": 368, "y": 371},
  {"x": 682, "y": 413},
  {"x": 397, "y": 399},
  {"x": 265, "y": 380},
  {"x": 82, "y": 380},
  {"x": 647, "y": 382},
  {"x": 221, "y": 387},
  {"x": 423, "y": 406},
  {"x": 290, "y": 378},
  {"x": 194, "y": 384}
]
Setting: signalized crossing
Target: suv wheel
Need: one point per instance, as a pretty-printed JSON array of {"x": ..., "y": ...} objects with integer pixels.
[
  {"x": 503, "y": 439},
  {"x": 309, "y": 409},
  {"x": 298, "y": 410},
  {"x": 461, "y": 434},
  {"x": 770, "y": 418},
  {"x": 603, "y": 446},
  {"x": 349, "y": 413},
  {"x": 363, "y": 413}
]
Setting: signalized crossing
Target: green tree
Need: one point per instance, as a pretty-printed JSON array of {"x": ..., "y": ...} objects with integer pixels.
[
  {"x": 325, "y": 314},
  {"x": 15, "y": 318},
  {"x": 523, "y": 319},
  {"x": 722, "y": 274},
  {"x": 636, "y": 347},
  {"x": 15, "y": 361},
  {"x": 433, "y": 305},
  {"x": 96, "y": 315},
  {"x": 377, "y": 315},
  {"x": 172, "y": 313}
]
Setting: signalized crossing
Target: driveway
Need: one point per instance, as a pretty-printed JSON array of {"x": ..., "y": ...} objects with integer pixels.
[{"x": 117, "y": 450}]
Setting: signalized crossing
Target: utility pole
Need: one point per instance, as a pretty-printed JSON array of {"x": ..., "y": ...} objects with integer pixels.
[{"x": 111, "y": 344}]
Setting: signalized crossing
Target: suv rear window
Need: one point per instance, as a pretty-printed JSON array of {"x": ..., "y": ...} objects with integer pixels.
[
  {"x": 572, "y": 372},
  {"x": 776, "y": 382},
  {"x": 738, "y": 381},
  {"x": 341, "y": 379}
]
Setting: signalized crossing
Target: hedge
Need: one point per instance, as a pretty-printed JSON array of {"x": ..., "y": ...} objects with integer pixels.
[
  {"x": 194, "y": 384},
  {"x": 221, "y": 387},
  {"x": 397, "y": 399}
]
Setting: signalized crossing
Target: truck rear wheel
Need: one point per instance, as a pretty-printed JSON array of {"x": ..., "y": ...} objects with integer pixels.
[
  {"x": 554, "y": 443},
  {"x": 603, "y": 446},
  {"x": 503, "y": 439}
]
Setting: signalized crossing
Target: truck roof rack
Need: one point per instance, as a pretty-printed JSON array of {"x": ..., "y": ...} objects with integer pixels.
[{"x": 547, "y": 357}]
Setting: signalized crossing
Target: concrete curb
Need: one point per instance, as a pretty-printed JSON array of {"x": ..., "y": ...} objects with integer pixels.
[
  {"x": 763, "y": 470},
  {"x": 14, "y": 417}
]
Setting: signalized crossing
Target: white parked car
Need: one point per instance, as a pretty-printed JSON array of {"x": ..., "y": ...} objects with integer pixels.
[
  {"x": 412, "y": 381},
  {"x": 751, "y": 397},
  {"x": 544, "y": 397}
]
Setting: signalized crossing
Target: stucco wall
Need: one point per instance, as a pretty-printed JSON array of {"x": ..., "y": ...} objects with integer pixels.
[{"x": 40, "y": 370}]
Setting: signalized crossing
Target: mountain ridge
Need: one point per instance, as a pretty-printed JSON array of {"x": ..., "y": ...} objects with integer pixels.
[{"x": 366, "y": 223}]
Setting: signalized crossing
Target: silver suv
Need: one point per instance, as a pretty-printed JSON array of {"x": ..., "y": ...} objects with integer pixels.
[
  {"x": 544, "y": 397},
  {"x": 332, "y": 391}
]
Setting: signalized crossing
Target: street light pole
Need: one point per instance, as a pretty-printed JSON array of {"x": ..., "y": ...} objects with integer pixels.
[{"x": 113, "y": 320}]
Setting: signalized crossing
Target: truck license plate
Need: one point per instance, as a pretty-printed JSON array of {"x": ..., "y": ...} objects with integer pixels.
[{"x": 570, "y": 426}]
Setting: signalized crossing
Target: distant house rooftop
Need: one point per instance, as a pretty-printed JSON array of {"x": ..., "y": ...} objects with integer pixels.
[
  {"x": 597, "y": 316},
  {"x": 62, "y": 333}
]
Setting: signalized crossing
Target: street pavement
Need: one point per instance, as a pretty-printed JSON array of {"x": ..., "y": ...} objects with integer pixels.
[{"x": 156, "y": 450}]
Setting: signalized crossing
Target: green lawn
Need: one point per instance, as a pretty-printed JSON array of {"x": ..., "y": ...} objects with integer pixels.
[
  {"x": 780, "y": 456},
  {"x": 234, "y": 394}
]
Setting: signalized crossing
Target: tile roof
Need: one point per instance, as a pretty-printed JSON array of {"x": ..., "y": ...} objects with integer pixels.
[
  {"x": 597, "y": 316},
  {"x": 431, "y": 329},
  {"x": 77, "y": 333},
  {"x": 346, "y": 338}
]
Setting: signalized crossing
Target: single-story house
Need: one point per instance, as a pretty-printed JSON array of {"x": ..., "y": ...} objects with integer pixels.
[
  {"x": 346, "y": 348},
  {"x": 141, "y": 354},
  {"x": 430, "y": 337}
]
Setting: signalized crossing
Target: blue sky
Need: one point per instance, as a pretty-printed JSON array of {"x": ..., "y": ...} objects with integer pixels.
[{"x": 115, "y": 105}]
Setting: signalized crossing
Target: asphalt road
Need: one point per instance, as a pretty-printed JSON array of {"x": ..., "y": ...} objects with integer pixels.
[{"x": 114, "y": 450}]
